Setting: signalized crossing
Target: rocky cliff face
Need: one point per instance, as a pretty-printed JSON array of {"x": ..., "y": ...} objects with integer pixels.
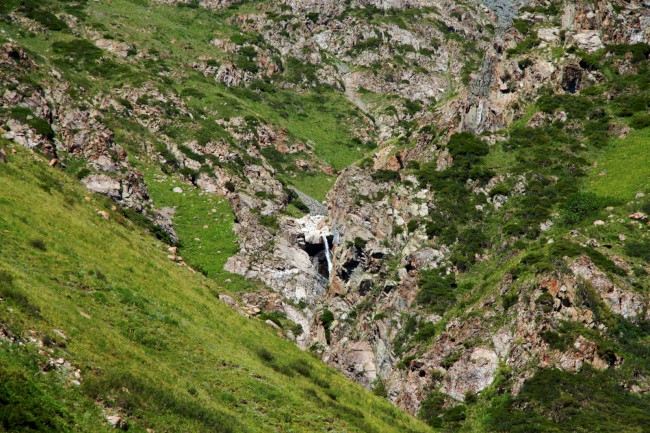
[{"x": 378, "y": 254}]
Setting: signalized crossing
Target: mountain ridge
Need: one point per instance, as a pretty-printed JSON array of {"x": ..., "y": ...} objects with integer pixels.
[{"x": 479, "y": 248}]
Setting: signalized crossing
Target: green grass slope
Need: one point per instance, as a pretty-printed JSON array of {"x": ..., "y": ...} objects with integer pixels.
[
  {"x": 204, "y": 223},
  {"x": 623, "y": 169},
  {"x": 149, "y": 338},
  {"x": 164, "y": 40}
]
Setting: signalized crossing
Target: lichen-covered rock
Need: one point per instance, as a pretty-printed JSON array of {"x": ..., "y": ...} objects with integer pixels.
[{"x": 472, "y": 373}]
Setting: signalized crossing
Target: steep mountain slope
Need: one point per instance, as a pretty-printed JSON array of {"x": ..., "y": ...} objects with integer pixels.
[
  {"x": 471, "y": 227},
  {"x": 481, "y": 257},
  {"x": 98, "y": 325}
]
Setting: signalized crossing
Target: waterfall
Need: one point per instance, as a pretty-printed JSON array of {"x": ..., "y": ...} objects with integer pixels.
[{"x": 327, "y": 253}]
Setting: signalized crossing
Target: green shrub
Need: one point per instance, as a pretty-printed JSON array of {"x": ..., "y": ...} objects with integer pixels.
[
  {"x": 432, "y": 408},
  {"x": 27, "y": 402},
  {"x": 137, "y": 396},
  {"x": 296, "y": 329},
  {"x": 269, "y": 221},
  {"x": 639, "y": 249},
  {"x": 426, "y": 332},
  {"x": 379, "y": 388},
  {"x": 522, "y": 26},
  {"x": 9, "y": 292},
  {"x": 265, "y": 355},
  {"x": 500, "y": 189},
  {"x": 437, "y": 291},
  {"x": 524, "y": 46},
  {"x": 41, "y": 126},
  {"x": 433, "y": 412},
  {"x": 525, "y": 63},
  {"x": 299, "y": 204},
  {"x": 576, "y": 106},
  {"x": 80, "y": 49},
  {"x": 301, "y": 367},
  {"x": 82, "y": 55},
  {"x": 412, "y": 107},
  {"x": 467, "y": 146},
  {"x": 297, "y": 71},
  {"x": 564, "y": 248},
  {"x": 368, "y": 44},
  {"x": 191, "y": 154},
  {"x": 360, "y": 243},
  {"x": 405, "y": 362},
  {"x": 83, "y": 173},
  {"x": 603, "y": 262},
  {"x": 545, "y": 300},
  {"x": 48, "y": 183},
  {"x": 579, "y": 206},
  {"x": 145, "y": 223},
  {"x": 38, "y": 243},
  {"x": 6, "y": 280},
  {"x": 450, "y": 360},
  {"x": 626, "y": 105},
  {"x": 554, "y": 400},
  {"x": 509, "y": 299},
  {"x": 639, "y": 51},
  {"x": 385, "y": 176},
  {"x": 327, "y": 318},
  {"x": 275, "y": 317},
  {"x": 640, "y": 121},
  {"x": 43, "y": 16}
]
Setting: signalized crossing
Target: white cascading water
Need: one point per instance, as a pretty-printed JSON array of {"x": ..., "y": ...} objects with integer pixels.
[{"x": 327, "y": 253}]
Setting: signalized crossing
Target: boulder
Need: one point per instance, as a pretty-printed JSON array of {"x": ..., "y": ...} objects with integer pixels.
[
  {"x": 589, "y": 41},
  {"x": 473, "y": 372}
]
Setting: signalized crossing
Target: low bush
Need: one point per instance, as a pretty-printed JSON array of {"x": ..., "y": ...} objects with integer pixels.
[
  {"x": 79, "y": 49},
  {"x": 379, "y": 388},
  {"x": 640, "y": 121},
  {"x": 545, "y": 301},
  {"x": 555, "y": 400},
  {"x": 40, "y": 126},
  {"x": 426, "y": 332},
  {"x": 385, "y": 176},
  {"x": 434, "y": 413},
  {"x": 138, "y": 395},
  {"x": 626, "y": 105},
  {"x": 524, "y": 27},
  {"x": 13, "y": 294},
  {"x": 145, "y": 223},
  {"x": 301, "y": 367},
  {"x": 639, "y": 51},
  {"x": 576, "y": 106},
  {"x": 524, "y": 46},
  {"x": 579, "y": 206},
  {"x": 639, "y": 249},
  {"x": 509, "y": 300},
  {"x": 44, "y": 16},
  {"x": 437, "y": 291},
  {"x": 27, "y": 403},
  {"x": 327, "y": 318},
  {"x": 83, "y": 173},
  {"x": 450, "y": 360},
  {"x": 275, "y": 317},
  {"x": 38, "y": 243}
]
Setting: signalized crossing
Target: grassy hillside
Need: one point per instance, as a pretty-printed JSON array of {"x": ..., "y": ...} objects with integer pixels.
[
  {"x": 149, "y": 338},
  {"x": 161, "y": 54},
  {"x": 623, "y": 169},
  {"x": 204, "y": 222}
]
